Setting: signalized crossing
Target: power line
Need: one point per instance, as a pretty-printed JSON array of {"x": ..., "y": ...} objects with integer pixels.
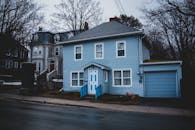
[{"x": 120, "y": 7}]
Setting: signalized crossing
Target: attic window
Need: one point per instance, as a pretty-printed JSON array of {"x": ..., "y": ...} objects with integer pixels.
[
  {"x": 57, "y": 37},
  {"x": 36, "y": 37},
  {"x": 70, "y": 35}
]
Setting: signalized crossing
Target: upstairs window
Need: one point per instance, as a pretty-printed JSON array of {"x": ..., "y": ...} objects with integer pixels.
[
  {"x": 99, "y": 51},
  {"x": 78, "y": 50},
  {"x": 36, "y": 37},
  {"x": 120, "y": 49}
]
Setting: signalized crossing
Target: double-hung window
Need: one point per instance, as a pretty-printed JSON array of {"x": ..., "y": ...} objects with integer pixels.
[
  {"x": 57, "y": 51},
  {"x": 120, "y": 49},
  {"x": 78, "y": 52},
  {"x": 99, "y": 51},
  {"x": 122, "y": 78},
  {"x": 77, "y": 79}
]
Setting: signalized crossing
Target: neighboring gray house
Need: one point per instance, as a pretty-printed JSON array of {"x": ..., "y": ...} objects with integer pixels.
[
  {"x": 110, "y": 59},
  {"x": 46, "y": 52}
]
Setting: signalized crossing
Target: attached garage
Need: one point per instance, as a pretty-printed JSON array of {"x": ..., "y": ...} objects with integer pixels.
[
  {"x": 160, "y": 84},
  {"x": 162, "y": 79}
]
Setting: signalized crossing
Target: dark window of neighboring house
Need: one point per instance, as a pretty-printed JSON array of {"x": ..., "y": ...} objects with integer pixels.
[
  {"x": 39, "y": 52},
  {"x": 16, "y": 53},
  {"x": 39, "y": 66},
  {"x": 57, "y": 51}
]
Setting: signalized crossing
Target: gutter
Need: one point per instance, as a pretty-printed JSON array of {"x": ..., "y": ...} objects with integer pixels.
[
  {"x": 161, "y": 63},
  {"x": 101, "y": 37}
]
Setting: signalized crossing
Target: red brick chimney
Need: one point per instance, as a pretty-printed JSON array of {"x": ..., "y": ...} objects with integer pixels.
[{"x": 115, "y": 19}]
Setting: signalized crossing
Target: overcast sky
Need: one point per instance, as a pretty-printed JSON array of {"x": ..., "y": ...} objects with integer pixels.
[{"x": 131, "y": 7}]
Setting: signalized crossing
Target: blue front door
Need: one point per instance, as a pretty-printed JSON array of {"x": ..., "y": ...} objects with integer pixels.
[{"x": 92, "y": 81}]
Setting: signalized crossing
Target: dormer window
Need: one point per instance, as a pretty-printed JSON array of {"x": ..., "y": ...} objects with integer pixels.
[
  {"x": 57, "y": 38},
  {"x": 35, "y": 50},
  {"x": 36, "y": 37},
  {"x": 70, "y": 35}
]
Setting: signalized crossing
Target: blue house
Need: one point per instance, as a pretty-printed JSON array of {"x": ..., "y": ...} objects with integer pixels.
[{"x": 110, "y": 59}]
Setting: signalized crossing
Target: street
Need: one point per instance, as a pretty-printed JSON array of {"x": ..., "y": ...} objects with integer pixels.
[{"x": 33, "y": 116}]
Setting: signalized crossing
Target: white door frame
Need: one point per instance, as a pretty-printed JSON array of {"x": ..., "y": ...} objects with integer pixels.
[{"x": 92, "y": 81}]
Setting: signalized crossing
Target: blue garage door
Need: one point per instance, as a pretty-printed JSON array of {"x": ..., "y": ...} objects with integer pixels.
[{"x": 160, "y": 84}]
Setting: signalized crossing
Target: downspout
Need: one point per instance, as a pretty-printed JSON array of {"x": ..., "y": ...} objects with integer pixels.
[{"x": 140, "y": 73}]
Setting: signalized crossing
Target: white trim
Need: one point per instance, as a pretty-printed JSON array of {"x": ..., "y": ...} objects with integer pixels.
[
  {"x": 75, "y": 52},
  {"x": 116, "y": 51},
  {"x": 122, "y": 69},
  {"x": 99, "y": 37},
  {"x": 78, "y": 78},
  {"x": 102, "y": 50},
  {"x": 106, "y": 76}
]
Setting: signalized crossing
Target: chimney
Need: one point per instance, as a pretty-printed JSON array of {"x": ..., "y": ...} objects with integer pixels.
[
  {"x": 40, "y": 29},
  {"x": 115, "y": 19},
  {"x": 86, "y": 26}
]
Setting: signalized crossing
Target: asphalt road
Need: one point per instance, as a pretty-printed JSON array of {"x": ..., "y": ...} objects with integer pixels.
[{"x": 15, "y": 115}]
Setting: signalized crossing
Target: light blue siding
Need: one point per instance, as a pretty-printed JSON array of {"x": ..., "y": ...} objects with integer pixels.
[
  {"x": 146, "y": 53},
  {"x": 160, "y": 84},
  {"x": 130, "y": 61},
  {"x": 145, "y": 78}
]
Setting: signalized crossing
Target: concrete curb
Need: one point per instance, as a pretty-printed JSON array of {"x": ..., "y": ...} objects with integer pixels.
[{"x": 113, "y": 107}]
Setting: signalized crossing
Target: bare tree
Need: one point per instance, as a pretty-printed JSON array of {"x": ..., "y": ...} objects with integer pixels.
[
  {"x": 72, "y": 14},
  {"x": 18, "y": 19}
]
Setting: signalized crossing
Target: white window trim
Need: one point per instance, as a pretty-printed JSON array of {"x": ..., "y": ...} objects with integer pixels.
[
  {"x": 123, "y": 69},
  {"x": 117, "y": 42},
  {"x": 102, "y": 50},
  {"x": 77, "y": 78},
  {"x": 106, "y": 76},
  {"x": 75, "y": 52}
]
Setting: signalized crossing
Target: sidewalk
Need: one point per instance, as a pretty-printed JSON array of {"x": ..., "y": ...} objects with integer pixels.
[{"x": 113, "y": 107}]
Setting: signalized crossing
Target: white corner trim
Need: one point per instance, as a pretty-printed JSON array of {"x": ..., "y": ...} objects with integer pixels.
[
  {"x": 75, "y": 52},
  {"x": 95, "y": 56},
  {"x": 116, "y": 51}
]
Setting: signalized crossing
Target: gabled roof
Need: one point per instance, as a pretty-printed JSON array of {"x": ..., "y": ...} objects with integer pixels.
[
  {"x": 97, "y": 65},
  {"x": 105, "y": 30}
]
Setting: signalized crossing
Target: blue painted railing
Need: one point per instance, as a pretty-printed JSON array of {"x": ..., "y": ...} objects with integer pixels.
[
  {"x": 98, "y": 91},
  {"x": 83, "y": 91}
]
